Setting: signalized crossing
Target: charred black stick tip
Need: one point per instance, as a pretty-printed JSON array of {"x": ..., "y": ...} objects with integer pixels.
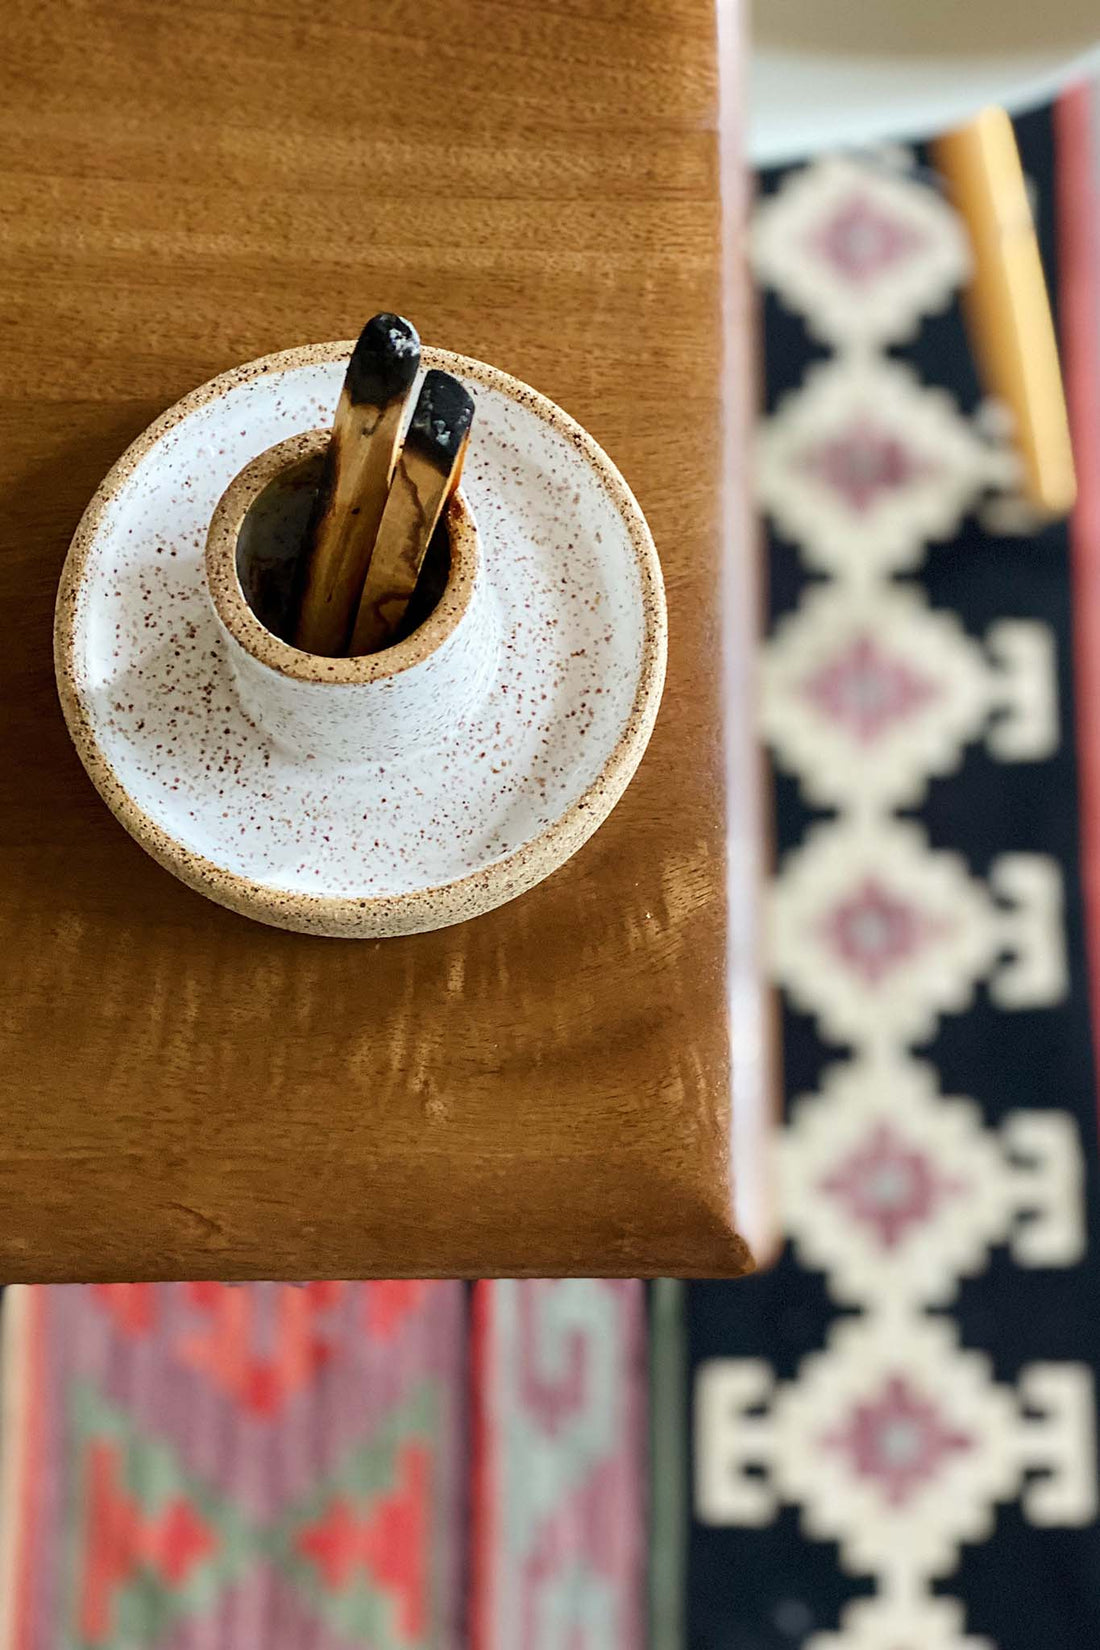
[
  {"x": 444, "y": 413},
  {"x": 384, "y": 362}
]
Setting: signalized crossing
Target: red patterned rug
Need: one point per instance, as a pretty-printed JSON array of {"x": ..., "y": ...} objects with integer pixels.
[
  {"x": 193, "y": 1465},
  {"x": 559, "y": 1557},
  {"x": 264, "y": 1467}
]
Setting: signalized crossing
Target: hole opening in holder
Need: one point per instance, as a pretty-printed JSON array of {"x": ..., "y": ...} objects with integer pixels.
[{"x": 272, "y": 539}]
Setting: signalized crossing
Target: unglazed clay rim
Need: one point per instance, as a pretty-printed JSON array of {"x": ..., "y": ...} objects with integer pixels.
[
  {"x": 224, "y": 583},
  {"x": 422, "y": 909}
]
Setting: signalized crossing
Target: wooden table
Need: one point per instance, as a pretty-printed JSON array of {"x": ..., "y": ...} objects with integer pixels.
[{"x": 188, "y": 185}]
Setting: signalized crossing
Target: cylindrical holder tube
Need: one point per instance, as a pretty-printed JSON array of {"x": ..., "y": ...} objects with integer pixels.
[{"x": 364, "y": 709}]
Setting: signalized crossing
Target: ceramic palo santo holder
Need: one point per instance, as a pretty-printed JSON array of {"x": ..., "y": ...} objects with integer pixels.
[
  {"x": 374, "y": 708},
  {"x": 393, "y": 793}
]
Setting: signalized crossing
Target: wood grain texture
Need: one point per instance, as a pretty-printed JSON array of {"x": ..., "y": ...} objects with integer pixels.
[{"x": 546, "y": 1089}]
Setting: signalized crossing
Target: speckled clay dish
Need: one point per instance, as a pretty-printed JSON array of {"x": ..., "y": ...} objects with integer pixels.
[{"x": 375, "y": 796}]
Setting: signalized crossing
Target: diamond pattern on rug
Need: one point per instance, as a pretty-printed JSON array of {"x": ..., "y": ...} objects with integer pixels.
[
  {"x": 207, "y": 1465},
  {"x": 863, "y": 464},
  {"x": 858, "y": 251},
  {"x": 894, "y": 1442}
]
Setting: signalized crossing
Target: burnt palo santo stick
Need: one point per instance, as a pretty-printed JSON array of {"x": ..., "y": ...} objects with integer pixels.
[
  {"x": 352, "y": 495},
  {"x": 426, "y": 475}
]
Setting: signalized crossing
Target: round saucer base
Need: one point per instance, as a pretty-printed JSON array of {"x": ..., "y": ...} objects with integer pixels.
[{"x": 446, "y": 830}]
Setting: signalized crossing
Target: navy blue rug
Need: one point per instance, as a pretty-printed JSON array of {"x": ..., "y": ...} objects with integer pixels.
[{"x": 894, "y": 1428}]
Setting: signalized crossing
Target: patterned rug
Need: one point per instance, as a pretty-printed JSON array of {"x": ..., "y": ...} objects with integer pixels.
[
  {"x": 559, "y": 1540},
  {"x": 894, "y": 1429},
  {"x": 193, "y": 1465},
  {"x": 204, "y": 1467}
]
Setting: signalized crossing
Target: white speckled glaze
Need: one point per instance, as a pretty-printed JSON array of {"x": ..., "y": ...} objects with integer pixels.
[
  {"x": 363, "y": 833},
  {"x": 373, "y": 708}
]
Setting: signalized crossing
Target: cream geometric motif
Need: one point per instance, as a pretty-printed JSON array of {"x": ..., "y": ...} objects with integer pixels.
[
  {"x": 867, "y": 693},
  {"x": 915, "y": 1622},
  {"x": 895, "y": 1192},
  {"x": 878, "y": 935},
  {"x": 1025, "y": 691},
  {"x": 896, "y": 1443},
  {"x": 858, "y": 251},
  {"x": 1029, "y": 889},
  {"x": 863, "y": 465}
]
